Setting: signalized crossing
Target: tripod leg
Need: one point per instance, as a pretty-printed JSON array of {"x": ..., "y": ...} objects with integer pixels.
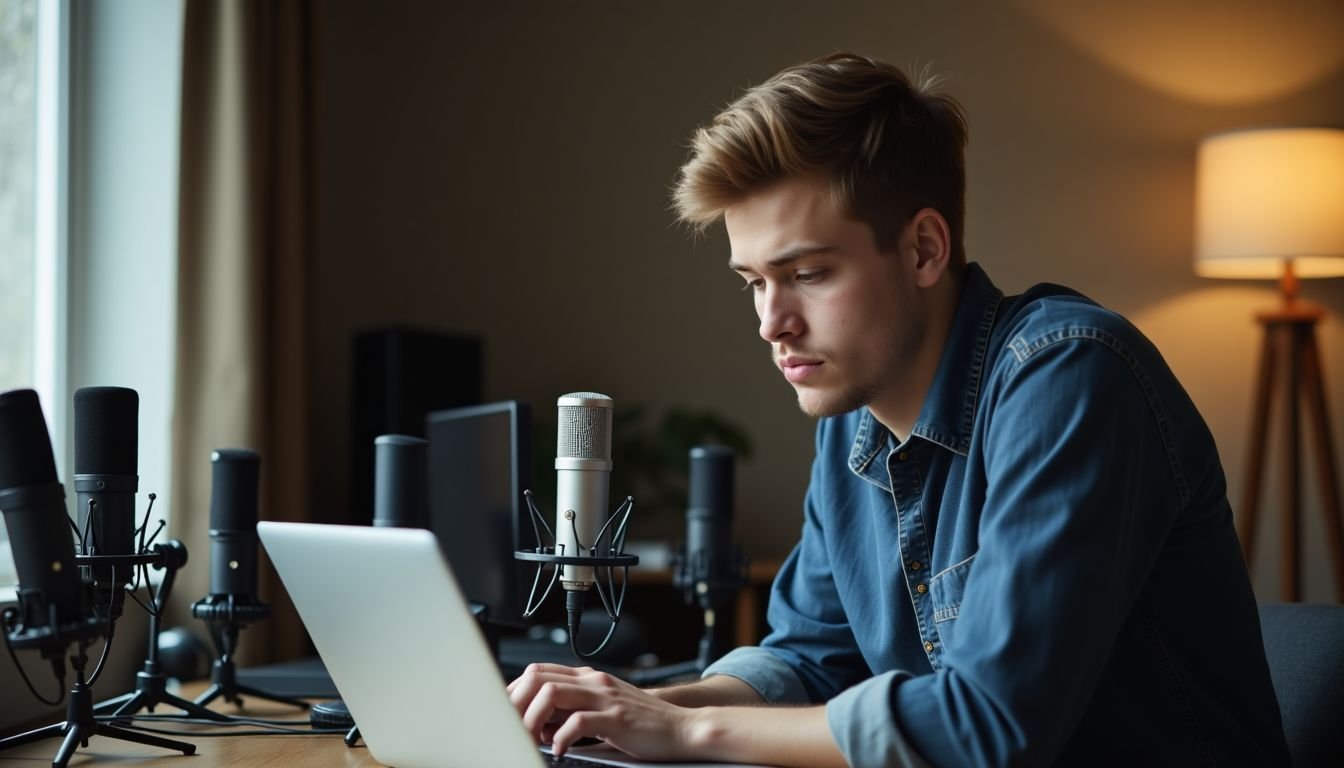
[
  {"x": 114, "y": 704},
  {"x": 113, "y": 732},
  {"x": 211, "y": 693},
  {"x": 45, "y": 732},
  {"x": 1313, "y": 382},
  {"x": 130, "y": 706},
  {"x": 73, "y": 738},
  {"x": 1250, "y": 496},
  {"x": 1291, "y": 517},
  {"x": 192, "y": 708}
]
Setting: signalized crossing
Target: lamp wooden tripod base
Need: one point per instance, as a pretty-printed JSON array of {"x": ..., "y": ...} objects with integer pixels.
[{"x": 1290, "y": 339}]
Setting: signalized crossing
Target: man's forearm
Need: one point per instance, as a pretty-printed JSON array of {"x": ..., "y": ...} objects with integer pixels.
[
  {"x": 730, "y": 723},
  {"x": 713, "y": 691},
  {"x": 779, "y": 735}
]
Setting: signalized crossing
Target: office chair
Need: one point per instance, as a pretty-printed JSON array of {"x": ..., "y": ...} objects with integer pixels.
[{"x": 1304, "y": 644}]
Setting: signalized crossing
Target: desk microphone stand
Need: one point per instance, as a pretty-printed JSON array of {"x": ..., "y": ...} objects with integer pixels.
[
  {"x": 80, "y": 724},
  {"x": 151, "y": 688},
  {"x": 225, "y": 616}
]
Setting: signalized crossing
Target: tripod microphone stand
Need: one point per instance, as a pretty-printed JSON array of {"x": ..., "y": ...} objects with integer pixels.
[
  {"x": 225, "y": 616},
  {"x": 151, "y": 685},
  {"x": 80, "y": 723}
]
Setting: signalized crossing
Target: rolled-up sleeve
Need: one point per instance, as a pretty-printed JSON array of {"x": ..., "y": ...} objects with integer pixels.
[
  {"x": 763, "y": 671},
  {"x": 865, "y": 736}
]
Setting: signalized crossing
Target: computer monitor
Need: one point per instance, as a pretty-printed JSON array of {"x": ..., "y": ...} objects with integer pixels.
[{"x": 480, "y": 462}]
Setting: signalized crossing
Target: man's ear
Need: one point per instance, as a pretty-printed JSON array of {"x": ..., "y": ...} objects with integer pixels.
[{"x": 931, "y": 241}]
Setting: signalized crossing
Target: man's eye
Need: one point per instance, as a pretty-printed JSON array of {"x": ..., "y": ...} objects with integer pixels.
[
  {"x": 814, "y": 276},
  {"x": 754, "y": 285}
]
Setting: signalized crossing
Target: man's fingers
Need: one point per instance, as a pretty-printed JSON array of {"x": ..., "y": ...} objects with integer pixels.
[
  {"x": 577, "y": 726},
  {"x": 522, "y": 690},
  {"x": 556, "y": 698}
]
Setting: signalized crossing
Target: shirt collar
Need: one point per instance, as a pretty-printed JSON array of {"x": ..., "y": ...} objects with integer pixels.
[{"x": 949, "y": 407}]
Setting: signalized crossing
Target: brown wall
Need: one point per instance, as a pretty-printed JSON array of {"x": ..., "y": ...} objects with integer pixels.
[{"x": 502, "y": 169}]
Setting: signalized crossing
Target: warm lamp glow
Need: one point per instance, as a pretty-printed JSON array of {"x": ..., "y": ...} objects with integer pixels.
[{"x": 1266, "y": 196}]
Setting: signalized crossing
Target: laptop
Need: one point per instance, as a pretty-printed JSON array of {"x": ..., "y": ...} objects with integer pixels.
[{"x": 394, "y": 631}]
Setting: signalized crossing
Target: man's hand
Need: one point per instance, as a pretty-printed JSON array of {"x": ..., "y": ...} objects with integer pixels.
[
  {"x": 559, "y": 705},
  {"x": 711, "y": 719}
]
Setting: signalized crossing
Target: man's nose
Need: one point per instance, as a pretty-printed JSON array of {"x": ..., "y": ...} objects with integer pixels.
[{"x": 780, "y": 318}]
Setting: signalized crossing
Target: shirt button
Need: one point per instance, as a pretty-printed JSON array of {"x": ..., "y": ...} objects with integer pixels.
[
  {"x": 915, "y": 566},
  {"x": 921, "y": 589},
  {"x": 928, "y": 647},
  {"x": 903, "y": 455}
]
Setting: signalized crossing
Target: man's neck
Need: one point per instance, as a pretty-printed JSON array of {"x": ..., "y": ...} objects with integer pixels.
[{"x": 898, "y": 407}]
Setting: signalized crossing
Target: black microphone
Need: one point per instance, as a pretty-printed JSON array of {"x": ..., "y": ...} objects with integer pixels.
[
  {"x": 710, "y": 570},
  {"x": 235, "y": 484},
  {"x": 234, "y": 487},
  {"x": 106, "y": 445},
  {"x": 400, "y": 480},
  {"x": 709, "y": 520},
  {"x": 53, "y": 609}
]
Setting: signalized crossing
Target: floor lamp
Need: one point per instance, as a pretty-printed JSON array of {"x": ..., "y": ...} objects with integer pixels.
[{"x": 1270, "y": 204}]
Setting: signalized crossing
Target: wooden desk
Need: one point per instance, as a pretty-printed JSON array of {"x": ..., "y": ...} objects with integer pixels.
[{"x": 317, "y": 751}]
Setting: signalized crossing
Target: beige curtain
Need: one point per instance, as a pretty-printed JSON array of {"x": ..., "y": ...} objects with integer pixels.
[{"x": 242, "y": 334}]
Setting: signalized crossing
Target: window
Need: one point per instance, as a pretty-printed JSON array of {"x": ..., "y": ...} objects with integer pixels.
[
  {"x": 32, "y": 273},
  {"x": 74, "y": 203}
]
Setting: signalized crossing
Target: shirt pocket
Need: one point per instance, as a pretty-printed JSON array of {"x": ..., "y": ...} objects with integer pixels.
[{"x": 946, "y": 590}]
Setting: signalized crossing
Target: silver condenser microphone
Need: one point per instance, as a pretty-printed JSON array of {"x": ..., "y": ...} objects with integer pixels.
[
  {"x": 588, "y": 540},
  {"x": 582, "y": 479}
]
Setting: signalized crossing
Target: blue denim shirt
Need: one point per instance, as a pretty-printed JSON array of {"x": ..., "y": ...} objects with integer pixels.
[{"x": 1045, "y": 572}]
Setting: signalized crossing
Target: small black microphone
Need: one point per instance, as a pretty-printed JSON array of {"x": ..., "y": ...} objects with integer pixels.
[
  {"x": 234, "y": 487},
  {"x": 710, "y": 570},
  {"x": 709, "y": 517},
  {"x": 400, "y": 481},
  {"x": 53, "y": 608},
  {"x": 106, "y": 446},
  {"x": 235, "y": 484}
]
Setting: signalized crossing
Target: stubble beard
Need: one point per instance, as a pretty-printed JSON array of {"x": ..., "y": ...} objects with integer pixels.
[{"x": 820, "y": 403}]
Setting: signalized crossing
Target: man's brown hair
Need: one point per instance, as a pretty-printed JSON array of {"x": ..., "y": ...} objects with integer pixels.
[{"x": 888, "y": 148}]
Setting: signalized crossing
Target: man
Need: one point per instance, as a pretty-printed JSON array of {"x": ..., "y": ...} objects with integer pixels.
[{"x": 1017, "y": 547}]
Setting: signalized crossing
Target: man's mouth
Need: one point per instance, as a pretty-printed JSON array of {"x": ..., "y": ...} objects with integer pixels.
[{"x": 799, "y": 369}]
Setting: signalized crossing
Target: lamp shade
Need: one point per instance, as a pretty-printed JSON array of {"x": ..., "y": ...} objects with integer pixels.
[{"x": 1266, "y": 196}]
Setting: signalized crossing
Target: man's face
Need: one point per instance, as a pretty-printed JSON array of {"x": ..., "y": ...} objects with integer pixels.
[{"x": 842, "y": 318}]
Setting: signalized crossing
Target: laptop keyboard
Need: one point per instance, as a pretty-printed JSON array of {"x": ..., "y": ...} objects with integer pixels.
[{"x": 568, "y": 762}]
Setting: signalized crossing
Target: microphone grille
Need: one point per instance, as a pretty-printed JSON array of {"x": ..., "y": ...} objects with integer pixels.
[{"x": 585, "y": 426}]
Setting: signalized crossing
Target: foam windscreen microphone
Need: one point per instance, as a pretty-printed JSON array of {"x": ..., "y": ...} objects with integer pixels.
[
  {"x": 400, "y": 482},
  {"x": 106, "y": 457},
  {"x": 53, "y": 608}
]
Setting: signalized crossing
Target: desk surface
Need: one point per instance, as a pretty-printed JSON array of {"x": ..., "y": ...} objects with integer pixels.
[{"x": 211, "y": 752}]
